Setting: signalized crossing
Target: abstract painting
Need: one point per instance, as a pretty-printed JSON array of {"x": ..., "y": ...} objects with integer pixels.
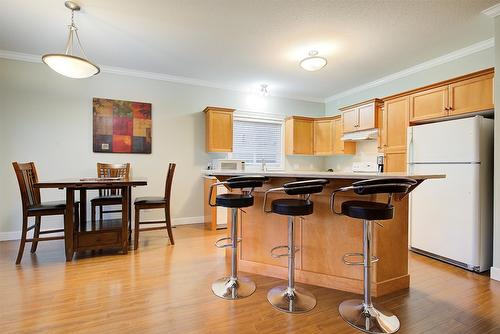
[{"x": 121, "y": 126}]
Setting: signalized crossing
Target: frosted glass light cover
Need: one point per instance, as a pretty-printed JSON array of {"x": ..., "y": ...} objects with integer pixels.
[
  {"x": 70, "y": 66},
  {"x": 313, "y": 63}
]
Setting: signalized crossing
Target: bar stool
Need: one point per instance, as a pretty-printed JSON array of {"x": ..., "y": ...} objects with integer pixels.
[
  {"x": 290, "y": 298},
  {"x": 234, "y": 287},
  {"x": 362, "y": 314}
]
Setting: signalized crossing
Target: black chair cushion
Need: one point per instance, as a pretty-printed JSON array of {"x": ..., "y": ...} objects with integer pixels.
[
  {"x": 106, "y": 199},
  {"x": 53, "y": 205},
  {"x": 150, "y": 200},
  {"x": 367, "y": 210},
  {"x": 248, "y": 181},
  {"x": 292, "y": 207},
  {"x": 231, "y": 200}
]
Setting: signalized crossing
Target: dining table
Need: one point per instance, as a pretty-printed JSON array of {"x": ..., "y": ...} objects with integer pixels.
[{"x": 94, "y": 235}]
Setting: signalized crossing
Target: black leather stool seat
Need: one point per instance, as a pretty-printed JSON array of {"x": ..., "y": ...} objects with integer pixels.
[
  {"x": 230, "y": 200},
  {"x": 367, "y": 210},
  {"x": 292, "y": 207}
]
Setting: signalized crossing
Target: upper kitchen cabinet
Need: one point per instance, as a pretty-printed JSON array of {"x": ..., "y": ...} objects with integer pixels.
[
  {"x": 299, "y": 135},
  {"x": 361, "y": 116},
  {"x": 340, "y": 146},
  {"x": 394, "y": 125},
  {"x": 467, "y": 94},
  {"x": 218, "y": 129},
  {"x": 323, "y": 136},
  {"x": 431, "y": 103},
  {"x": 470, "y": 95}
]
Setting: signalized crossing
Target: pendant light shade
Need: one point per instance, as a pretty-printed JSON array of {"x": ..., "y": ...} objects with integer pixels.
[
  {"x": 70, "y": 66},
  {"x": 313, "y": 62},
  {"x": 66, "y": 63}
]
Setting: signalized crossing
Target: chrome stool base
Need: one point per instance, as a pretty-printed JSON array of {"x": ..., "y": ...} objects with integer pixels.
[
  {"x": 230, "y": 288},
  {"x": 368, "y": 319},
  {"x": 289, "y": 300}
]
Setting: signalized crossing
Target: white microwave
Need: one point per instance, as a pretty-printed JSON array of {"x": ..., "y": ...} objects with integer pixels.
[{"x": 230, "y": 164}]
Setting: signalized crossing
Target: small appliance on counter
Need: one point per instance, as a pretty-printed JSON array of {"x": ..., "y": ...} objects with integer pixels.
[{"x": 228, "y": 164}]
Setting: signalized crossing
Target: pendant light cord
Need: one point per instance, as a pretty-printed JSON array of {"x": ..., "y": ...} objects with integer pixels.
[{"x": 73, "y": 30}]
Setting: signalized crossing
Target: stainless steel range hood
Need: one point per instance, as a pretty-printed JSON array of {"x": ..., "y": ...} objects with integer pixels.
[{"x": 371, "y": 134}]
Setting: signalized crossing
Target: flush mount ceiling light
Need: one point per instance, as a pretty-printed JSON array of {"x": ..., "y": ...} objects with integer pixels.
[
  {"x": 313, "y": 62},
  {"x": 264, "y": 89},
  {"x": 66, "y": 63}
]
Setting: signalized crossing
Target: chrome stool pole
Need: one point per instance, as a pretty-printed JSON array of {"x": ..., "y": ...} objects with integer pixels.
[
  {"x": 362, "y": 314},
  {"x": 290, "y": 298},
  {"x": 233, "y": 287}
]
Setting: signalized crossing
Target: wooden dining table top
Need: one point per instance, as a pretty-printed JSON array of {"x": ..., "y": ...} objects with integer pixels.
[{"x": 91, "y": 182}]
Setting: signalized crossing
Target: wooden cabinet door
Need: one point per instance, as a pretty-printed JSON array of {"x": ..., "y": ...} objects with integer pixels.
[
  {"x": 219, "y": 130},
  {"x": 395, "y": 124},
  {"x": 428, "y": 104},
  {"x": 350, "y": 120},
  {"x": 323, "y": 137},
  {"x": 475, "y": 94},
  {"x": 299, "y": 136},
  {"x": 366, "y": 117},
  {"x": 339, "y": 146},
  {"x": 395, "y": 162}
]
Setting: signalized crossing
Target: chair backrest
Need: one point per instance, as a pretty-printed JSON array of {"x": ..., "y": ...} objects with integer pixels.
[
  {"x": 305, "y": 187},
  {"x": 249, "y": 181},
  {"x": 27, "y": 177},
  {"x": 112, "y": 170},
  {"x": 396, "y": 185},
  {"x": 168, "y": 183}
]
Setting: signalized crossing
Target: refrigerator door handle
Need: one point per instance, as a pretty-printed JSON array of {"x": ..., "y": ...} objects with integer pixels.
[{"x": 410, "y": 145}]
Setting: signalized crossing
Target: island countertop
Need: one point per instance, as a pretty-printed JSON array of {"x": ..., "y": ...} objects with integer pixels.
[{"x": 324, "y": 175}]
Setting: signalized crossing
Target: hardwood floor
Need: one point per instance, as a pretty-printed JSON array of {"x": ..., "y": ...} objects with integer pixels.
[{"x": 166, "y": 289}]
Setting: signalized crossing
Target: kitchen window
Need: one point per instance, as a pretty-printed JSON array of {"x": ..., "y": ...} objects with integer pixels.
[{"x": 256, "y": 139}]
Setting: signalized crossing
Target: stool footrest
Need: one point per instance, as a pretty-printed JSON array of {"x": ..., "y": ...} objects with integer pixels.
[
  {"x": 229, "y": 244},
  {"x": 346, "y": 260},
  {"x": 278, "y": 255}
]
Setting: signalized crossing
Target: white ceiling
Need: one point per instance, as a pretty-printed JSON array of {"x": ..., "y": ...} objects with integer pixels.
[{"x": 242, "y": 43}]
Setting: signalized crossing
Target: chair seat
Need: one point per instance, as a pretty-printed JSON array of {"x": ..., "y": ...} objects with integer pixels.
[
  {"x": 367, "y": 210},
  {"x": 230, "y": 200},
  {"x": 116, "y": 199},
  {"x": 292, "y": 207},
  {"x": 45, "y": 206},
  {"x": 150, "y": 200}
]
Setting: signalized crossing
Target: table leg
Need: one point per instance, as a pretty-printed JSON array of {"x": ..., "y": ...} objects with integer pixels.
[
  {"x": 83, "y": 208},
  {"x": 68, "y": 224},
  {"x": 125, "y": 215}
]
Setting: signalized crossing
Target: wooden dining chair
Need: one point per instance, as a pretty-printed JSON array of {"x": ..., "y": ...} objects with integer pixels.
[
  {"x": 143, "y": 203},
  {"x": 33, "y": 207},
  {"x": 108, "y": 196}
]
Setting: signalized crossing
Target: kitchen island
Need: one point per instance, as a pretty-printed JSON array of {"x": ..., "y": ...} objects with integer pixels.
[{"x": 323, "y": 237}]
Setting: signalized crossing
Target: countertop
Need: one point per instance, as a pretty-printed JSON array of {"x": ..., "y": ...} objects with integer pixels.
[{"x": 324, "y": 175}]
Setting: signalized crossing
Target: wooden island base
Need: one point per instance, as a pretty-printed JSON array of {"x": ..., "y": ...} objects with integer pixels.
[{"x": 323, "y": 238}]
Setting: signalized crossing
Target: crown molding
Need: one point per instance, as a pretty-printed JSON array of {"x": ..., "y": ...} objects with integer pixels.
[
  {"x": 31, "y": 58},
  {"x": 471, "y": 49},
  {"x": 493, "y": 11}
]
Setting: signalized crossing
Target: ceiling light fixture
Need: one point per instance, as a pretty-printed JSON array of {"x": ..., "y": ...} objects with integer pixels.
[
  {"x": 264, "y": 90},
  {"x": 313, "y": 62},
  {"x": 67, "y": 64}
]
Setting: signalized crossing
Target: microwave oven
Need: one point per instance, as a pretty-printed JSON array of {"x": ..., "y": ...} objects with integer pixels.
[{"x": 230, "y": 164}]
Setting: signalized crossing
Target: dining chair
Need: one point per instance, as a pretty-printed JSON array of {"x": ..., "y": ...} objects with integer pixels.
[
  {"x": 108, "y": 196},
  {"x": 33, "y": 207},
  {"x": 145, "y": 203}
]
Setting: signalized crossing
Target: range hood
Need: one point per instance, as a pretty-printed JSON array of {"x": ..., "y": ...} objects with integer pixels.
[{"x": 371, "y": 134}]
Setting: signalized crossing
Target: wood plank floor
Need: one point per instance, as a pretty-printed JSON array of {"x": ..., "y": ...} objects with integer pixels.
[{"x": 166, "y": 289}]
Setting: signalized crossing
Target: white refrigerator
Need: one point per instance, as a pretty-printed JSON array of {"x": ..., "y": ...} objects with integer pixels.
[{"x": 451, "y": 219}]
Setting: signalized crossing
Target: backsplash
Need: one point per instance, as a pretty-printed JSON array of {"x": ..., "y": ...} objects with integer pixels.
[{"x": 365, "y": 151}]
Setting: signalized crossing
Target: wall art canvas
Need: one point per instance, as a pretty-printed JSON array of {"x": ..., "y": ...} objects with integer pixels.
[{"x": 121, "y": 126}]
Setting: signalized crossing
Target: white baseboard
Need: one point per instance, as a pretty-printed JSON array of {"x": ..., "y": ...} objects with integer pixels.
[
  {"x": 16, "y": 235},
  {"x": 495, "y": 273}
]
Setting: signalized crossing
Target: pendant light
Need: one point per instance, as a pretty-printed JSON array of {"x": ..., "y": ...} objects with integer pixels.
[
  {"x": 66, "y": 63},
  {"x": 313, "y": 62}
]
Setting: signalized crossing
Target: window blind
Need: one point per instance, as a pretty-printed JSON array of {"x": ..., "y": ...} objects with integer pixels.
[{"x": 254, "y": 141}]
